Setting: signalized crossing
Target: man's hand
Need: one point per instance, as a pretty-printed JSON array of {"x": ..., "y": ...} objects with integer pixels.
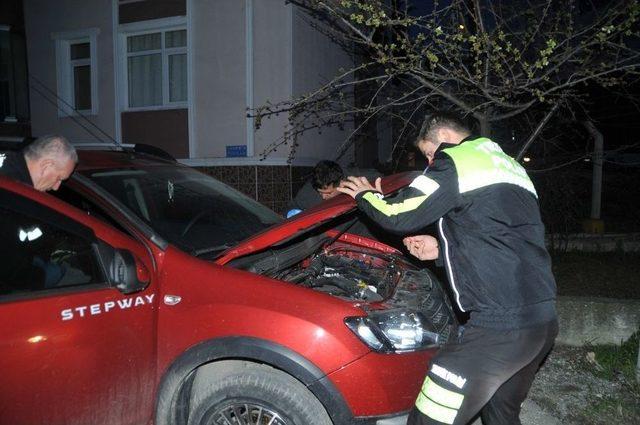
[
  {"x": 354, "y": 185},
  {"x": 423, "y": 247}
]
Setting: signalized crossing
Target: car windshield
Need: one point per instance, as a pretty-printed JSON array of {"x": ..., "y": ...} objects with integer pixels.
[{"x": 189, "y": 209}]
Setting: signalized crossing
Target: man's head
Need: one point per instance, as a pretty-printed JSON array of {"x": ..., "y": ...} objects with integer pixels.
[
  {"x": 326, "y": 178},
  {"x": 437, "y": 128},
  {"x": 50, "y": 160}
]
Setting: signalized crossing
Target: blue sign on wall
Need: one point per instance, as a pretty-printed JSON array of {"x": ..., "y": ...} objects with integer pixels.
[{"x": 234, "y": 151}]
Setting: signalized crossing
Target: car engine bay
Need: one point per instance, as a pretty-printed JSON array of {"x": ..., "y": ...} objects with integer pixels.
[{"x": 359, "y": 274}]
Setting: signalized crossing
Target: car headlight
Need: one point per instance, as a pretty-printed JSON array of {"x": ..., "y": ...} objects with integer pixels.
[{"x": 393, "y": 330}]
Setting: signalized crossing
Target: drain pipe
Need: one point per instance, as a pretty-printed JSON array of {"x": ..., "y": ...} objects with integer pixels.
[
  {"x": 596, "y": 194},
  {"x": 595, "y": 224},
  {"x": 248, "y": 22}
]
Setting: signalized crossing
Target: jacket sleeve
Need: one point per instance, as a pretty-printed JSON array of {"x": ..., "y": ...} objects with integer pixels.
[{"x": 428, "y": 197}]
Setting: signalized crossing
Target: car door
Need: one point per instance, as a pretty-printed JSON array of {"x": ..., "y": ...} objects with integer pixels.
[{"x": 74, "y": 350}]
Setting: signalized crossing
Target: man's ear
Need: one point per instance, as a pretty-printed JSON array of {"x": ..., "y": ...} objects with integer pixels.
[
  {"x": 44, "y": 164},
  {"x": 443, "y": 135}
]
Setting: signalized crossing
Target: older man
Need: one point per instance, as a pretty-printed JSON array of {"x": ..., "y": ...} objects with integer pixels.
[{"x": 43, "y": 164}]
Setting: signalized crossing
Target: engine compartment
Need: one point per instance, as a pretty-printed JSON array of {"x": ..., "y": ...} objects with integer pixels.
[
  {"x": 358, "y": 270},
  {"x": 347, "y": 273},
  {"x": 363, "y": 275}
]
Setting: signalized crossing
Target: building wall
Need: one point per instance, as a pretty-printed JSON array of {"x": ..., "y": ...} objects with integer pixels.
[
  {"x": 44, "y": 18},
  {"x": 316, "y": 60},
  {"x": 14, "y": 111},
  {"x": 166, "y": 125},
  {"x": 272, "y": 71},
  {"x": 271, "y": 185},
  {"x": 289, "y": 58},
  {"x": 166, "y": 129},
  {"x": 218, "y": 34},
  {"x": 151, "y": 9}
]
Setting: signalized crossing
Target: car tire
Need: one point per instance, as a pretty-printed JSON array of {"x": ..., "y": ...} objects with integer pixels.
[{"x": 250, "y": 393}]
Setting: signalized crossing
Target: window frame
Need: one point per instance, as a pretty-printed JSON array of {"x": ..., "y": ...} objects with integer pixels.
[
  {"x": 73, "y": 64},
  {"x": 10, "y": 78},
  {"x": 161, "y": 26},
  {"x": 65, "y": 70},
  {"x": 51, "y": 217}
]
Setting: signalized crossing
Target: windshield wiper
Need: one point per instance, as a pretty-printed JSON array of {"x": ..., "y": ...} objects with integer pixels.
[{"x": 210, "y": 249}]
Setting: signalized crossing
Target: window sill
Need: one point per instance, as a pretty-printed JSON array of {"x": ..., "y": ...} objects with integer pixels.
[
  {"x": 157, "y": 108},
  {"x": 85, "y": 113}
]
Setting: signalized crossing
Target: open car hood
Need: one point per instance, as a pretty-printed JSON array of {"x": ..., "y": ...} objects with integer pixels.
[{"x": 307, "y": 220}]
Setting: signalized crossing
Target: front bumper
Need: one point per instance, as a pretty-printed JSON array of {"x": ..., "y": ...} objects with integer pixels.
[{"x": 382, "y": 388}]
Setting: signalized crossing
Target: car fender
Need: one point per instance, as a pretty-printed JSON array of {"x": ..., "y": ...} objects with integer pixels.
[{"x": 176, "y": 382}]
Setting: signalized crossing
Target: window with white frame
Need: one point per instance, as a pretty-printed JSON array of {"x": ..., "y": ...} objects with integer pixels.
[
  {"x": 156, "y": 68},
  {"x": 77, "y": 72}
]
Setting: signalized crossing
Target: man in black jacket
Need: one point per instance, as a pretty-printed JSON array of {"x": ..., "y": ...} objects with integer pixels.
[
  {"x": 323, "y": 184},
  {"x": 43, "y": 164},
  {"x": 491, "y": 241}
]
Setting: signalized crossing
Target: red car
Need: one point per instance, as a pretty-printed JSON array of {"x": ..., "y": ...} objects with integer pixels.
[{"x": 147, "y": 292}]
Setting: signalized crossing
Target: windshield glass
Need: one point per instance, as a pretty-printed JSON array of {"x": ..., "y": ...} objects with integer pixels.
[{"x": 189, "y": 209}]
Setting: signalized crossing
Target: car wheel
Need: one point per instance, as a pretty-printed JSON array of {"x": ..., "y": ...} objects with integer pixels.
[{"x": 247, "y": 393}]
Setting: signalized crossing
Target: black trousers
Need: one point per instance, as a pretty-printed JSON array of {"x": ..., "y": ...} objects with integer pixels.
[{"x": 488, "y": 371}]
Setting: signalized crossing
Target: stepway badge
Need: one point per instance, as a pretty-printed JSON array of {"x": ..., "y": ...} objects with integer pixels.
[{"x": 106, "y": 307}]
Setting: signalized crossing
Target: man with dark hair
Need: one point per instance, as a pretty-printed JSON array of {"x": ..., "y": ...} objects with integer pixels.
[
  {"x": 325, "y": 179},
  {"x": 44, "y": 164},
  {"x": 491, "y": 241}
]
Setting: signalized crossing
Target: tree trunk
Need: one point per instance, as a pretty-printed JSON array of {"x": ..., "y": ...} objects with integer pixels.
[
  {"x": 638, "y": 365},
  {"x": 485, "y": 127},
  {"x": 537, "y": 131}
]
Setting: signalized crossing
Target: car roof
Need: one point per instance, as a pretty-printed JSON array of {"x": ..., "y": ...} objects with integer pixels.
[{"x": 89, "y": 160}]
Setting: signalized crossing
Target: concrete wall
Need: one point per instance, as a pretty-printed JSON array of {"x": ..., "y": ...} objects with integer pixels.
[
  {"x": 585, "y": 320},
  {"x": 585, "y": 242},
  {"x": 42, "y": 19}
]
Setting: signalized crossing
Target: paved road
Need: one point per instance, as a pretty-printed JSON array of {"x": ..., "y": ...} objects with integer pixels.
[{"x": 532, "y": 414}]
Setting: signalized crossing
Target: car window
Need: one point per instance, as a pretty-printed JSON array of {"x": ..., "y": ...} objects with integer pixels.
[
  {"x": 70, "y": 196},
  {"x": 189, "y": 209},
  {"x": 43, "y": 250}
]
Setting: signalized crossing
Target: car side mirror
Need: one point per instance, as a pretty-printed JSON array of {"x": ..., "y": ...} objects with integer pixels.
[{"x": 127, "y": 273}]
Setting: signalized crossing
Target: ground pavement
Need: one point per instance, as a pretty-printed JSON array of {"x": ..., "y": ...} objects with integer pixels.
[{"x": 532, "y": 414}]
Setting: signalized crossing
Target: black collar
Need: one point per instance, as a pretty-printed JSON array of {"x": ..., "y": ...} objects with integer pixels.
[
  {"x": 15, "y": 166},
  {"x": 451, "y": 145}
]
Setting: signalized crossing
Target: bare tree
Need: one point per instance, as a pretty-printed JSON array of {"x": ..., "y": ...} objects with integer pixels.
[{"x": 493, "y": 60}]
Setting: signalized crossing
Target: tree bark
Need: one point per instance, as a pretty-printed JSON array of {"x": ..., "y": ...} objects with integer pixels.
[
  {"x": 485, "y": 127},
  {"x": 537, "y": 131}
]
